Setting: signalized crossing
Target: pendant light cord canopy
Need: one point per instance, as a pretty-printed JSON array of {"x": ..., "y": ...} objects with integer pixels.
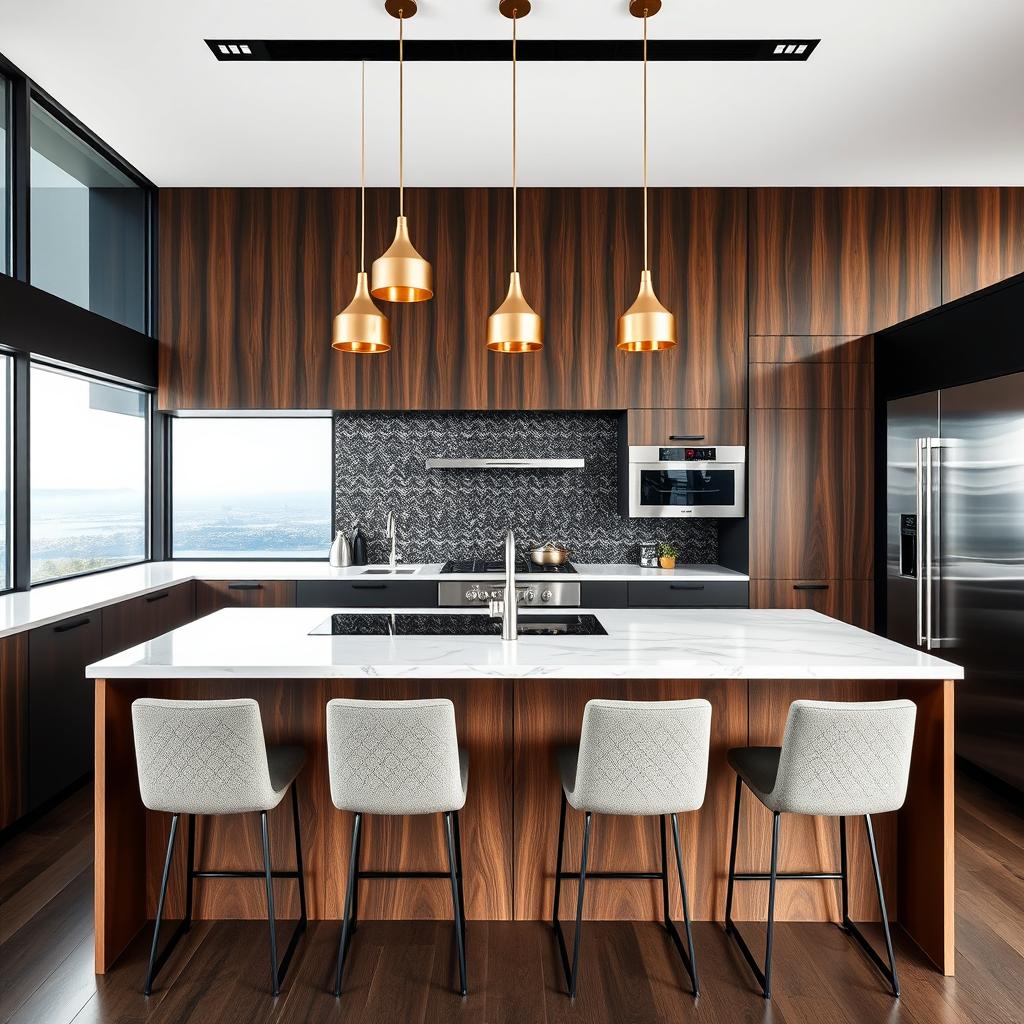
[
  {"x": 361, "y": 327},
  {"x": 401, "y": 274},
  {"x": 647, "y": 326},
  {"x": 514, "y": 327}
]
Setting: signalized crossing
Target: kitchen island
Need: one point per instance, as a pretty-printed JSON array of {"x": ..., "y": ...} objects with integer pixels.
[{"x": 515, "y": 703}]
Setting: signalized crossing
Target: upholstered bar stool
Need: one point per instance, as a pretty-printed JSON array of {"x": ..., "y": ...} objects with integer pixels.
[
  {"x": 634, "y": 758},
  {"x": 210, "y": 757},
  {"x": 397, "y": 757},
  {"x": 836, "y": 760}
]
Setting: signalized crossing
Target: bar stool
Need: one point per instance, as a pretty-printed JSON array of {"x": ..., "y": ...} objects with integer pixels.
[
  {"x": 635, "y": 758},
  {"x": 397, "y": 757},
  {"x": 836, "y": 760},
  {"x": 210, "y": 757}
]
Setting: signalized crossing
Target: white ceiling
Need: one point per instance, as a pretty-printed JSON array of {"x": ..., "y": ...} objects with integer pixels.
[{"x": 899, "y": 92}]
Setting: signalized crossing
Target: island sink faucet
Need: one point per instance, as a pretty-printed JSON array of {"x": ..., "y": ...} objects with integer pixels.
[
  {"x": 508, "y": 607},
  {"x": 391, "y": 533}
]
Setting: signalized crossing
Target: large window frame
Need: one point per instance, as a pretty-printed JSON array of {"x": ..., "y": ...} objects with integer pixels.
[{"x": 167, "y": 445}]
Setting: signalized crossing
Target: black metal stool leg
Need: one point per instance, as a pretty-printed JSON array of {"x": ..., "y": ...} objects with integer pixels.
[
  {"x": 297, "y": 827},
  {"x": 346, "y": 924},
  {"x": 558, "y": 866},
  {"x": 456, "y": 902},
  {"x": 770, "y": 939},
  {"x": 690, "y": 956},
  {"x": 458, "y": 871},
  {"x": 577, "y": 938},
  {"x": 153, "y": 967},
  {"x": 190, "y": 871},
  {"x": 729, "y": 927},
  {"x": 665, "y": 912},
  {"x": 844, "y": 870},
  {"x": 271, "y": 919}
]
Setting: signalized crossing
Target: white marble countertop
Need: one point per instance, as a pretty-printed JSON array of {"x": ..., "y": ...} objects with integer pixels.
[
  {"x": 732, "y": 643},
  {"x": 55, "y": 601}
]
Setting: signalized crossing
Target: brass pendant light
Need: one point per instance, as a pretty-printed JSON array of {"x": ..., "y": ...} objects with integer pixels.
[
  {"x": 401, "y": 274},
  {"x": 361, "y": 326},
  {"x": 647, "y": 326},
  {"x": 514, "y": 326}
]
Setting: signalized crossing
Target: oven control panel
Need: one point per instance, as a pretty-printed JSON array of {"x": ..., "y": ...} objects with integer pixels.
[
  {"x": 479, "y": 593},
  {"x": 687, "y": 454}
]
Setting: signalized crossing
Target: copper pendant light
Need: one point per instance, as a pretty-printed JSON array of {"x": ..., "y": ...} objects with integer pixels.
[
  {"x": 514, "y": 326},
  {"x": 401, "y": 274},
  {"x": 647, "y": 326},
  {"x": 361, "y": 326}
]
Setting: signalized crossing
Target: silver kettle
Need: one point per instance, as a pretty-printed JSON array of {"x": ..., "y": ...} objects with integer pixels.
[{"x": 341, "y": 551}]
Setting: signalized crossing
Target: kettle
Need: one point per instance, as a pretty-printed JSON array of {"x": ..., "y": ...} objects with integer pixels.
[{"x": 341, "y": 551}]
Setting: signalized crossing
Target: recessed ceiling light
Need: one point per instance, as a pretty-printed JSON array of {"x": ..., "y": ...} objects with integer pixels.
[
  {"x": 801, "y": 48},
  {"x": 778, "y": 49},
  {"x": 791, "y": 48},
  {"x": 224, "y": 49},
  {"x": 233, "y": 48},
  {"x": 245, "y": 48}
]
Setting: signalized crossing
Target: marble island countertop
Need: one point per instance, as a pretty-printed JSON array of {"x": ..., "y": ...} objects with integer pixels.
[
  {"x": 52, "y": 602},
  {"x": 249, "y": 643}
]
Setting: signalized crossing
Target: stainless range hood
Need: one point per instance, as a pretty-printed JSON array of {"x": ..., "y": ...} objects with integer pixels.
[{"x": 505, "y": 463}]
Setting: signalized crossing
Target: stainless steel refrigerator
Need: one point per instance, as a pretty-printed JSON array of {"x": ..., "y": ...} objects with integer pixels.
[{"x": 955, "y": 554}]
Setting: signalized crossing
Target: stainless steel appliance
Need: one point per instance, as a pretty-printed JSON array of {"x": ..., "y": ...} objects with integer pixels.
[
  {"x": 483, "y": 581},
  {"x": 675, "y": 482},
  {"x": 955, "y": 553}
]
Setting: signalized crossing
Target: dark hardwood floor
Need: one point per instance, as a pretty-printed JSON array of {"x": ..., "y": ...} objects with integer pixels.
[{"x": 405, "y": 971}]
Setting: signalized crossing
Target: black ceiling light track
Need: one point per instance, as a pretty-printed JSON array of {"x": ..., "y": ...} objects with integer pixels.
[{"x": 469, "y": 50}]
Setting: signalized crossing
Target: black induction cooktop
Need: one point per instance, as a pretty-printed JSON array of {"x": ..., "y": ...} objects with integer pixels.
[{"x": 349, "y": 624}]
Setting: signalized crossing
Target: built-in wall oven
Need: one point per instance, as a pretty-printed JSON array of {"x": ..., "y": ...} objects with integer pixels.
[{"x": 676, "y": 482}]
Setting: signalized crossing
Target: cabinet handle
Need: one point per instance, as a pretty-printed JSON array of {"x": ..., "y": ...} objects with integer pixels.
[
  {"x": 686, "y": 437},
  {"x": 686, "y": 586},
  {"x": 158, "y": 597},
  {"x": 810, "y": 586},
  {"x": 369, "y": 586},
  {"x": 71, "y": 625},
  {"x": 245, "y": 586}
]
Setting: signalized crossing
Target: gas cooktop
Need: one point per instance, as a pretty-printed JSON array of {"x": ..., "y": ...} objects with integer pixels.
[
  {"x": 497, "y": 567},
  {"x": 346, "y": 624}
]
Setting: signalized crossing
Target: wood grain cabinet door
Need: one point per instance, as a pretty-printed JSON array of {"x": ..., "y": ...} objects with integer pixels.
[
  {"x": 212, "y": 595},
  {"x": 13, "y": 727},
  {"x": 811, "y": 511},
  {"x": 60, "y": 704},
  {"x": 132, "y": 622},
  {"x": 983, "y": 238},
  {"x": 848, "y": 600},
  {"x": 686, "y": 426}
]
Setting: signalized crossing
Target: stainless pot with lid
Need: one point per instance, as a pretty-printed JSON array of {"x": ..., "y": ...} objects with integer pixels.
[{"x": 549, "y": 554}]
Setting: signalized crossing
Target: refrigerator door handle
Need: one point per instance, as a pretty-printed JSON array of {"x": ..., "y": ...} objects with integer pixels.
[
  {"x": 929, "y": 551},
  {"x": 919, "y": 539}
]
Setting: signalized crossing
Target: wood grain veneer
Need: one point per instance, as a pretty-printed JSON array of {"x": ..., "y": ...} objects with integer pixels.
[
  {"x": 212, "y": 595},
  {"x": 982, "y": 238},
  {"x": 128, "y": 623},
  {"x": 710, "y": 426},
  {"x": 842, "y": 261},
  {"x": 790, "y": 348},
  {"x": 13, "y": 727},
  {"x": 848, "y": 600},
  {"x": 816, "y": 385},
  {"x": 251, "y": 279}
]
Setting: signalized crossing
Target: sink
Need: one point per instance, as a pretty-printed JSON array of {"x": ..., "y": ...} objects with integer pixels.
[
  {"x": 389, "y": 572},
  {"x": 458, "y": 624}
]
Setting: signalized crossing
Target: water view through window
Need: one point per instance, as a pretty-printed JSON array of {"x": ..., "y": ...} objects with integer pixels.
[
  {"x": 87, "y": 467},
  {"x": 251, "y": 487}
]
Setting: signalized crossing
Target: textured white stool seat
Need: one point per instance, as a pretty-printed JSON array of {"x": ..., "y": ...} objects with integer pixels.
[{"x": 209, "y": 757}]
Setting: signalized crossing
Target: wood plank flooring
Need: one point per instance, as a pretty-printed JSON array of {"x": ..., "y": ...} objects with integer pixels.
[{"x": 405, "y": 971}]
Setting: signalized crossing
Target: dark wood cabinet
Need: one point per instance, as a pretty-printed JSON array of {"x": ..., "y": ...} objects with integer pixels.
[
  {"x": 212, "y": 595},
  {"x": 816, "y": 385},
  {"x": 842, "y": 261},
  {"x": 132, "y": 622},
  {"x": 688, "y": 594},
  {"x": 60, "y": 704},
  {"x": 13, "y": 727},
  {"x": 811, "y": 508},
  {"x": 983, "y": 238},
  {"x": 849, "y": 600},
  {"x": 368, "y": 593},
  {"x": 580, "y": 250},
  {"x": 686, "y": 426}
]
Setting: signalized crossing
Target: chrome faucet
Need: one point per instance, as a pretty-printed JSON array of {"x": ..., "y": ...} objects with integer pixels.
[
  {"x": 508, "y": 607},
  {"x": 391, "y": 533}
]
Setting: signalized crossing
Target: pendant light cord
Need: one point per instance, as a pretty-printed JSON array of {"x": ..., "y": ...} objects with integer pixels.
[
  {"x": 515, "y": 225},
  {"x": 646, "y": 255},
  {"x": 401, "y": 112},
  {"x": 362, "y": 169}
]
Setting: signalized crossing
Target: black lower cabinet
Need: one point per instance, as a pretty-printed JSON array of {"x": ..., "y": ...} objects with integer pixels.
[
  {"x": 368, "y": 593},
  {"x": 710, "y": 594},
  {"x": 60, "y": 704},
  {"x": 603, "y": 594}
]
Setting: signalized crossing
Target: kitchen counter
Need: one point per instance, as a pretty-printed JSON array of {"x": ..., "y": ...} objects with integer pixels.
[
  {"x": 515, "y": 704},
  {"x": 52, "y": 602},
  {"x": 733, "y": 643}
]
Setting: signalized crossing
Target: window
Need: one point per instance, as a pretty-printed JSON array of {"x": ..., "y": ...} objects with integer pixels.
[
  {"x": 5, "y": 472},
  {"x": 5, "y": 178},
  {"x": 88, "y": 230},
  {"x": 251, "y": 487},
  {"x": 88, "y": 467}
]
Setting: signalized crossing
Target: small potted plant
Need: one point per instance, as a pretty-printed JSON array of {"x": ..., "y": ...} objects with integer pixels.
[{"x": 667, "y": 556}]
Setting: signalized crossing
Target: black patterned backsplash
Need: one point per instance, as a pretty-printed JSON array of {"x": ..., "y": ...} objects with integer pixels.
[{"x": 445, "y": 513}]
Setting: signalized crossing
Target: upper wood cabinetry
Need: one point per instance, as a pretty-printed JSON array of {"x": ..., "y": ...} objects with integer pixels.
[
  {"x": 983, "y": 238},
  {"x": 13, "y": 727},
  {"x": 682, "y": 426},
  {"x": 250, "y": 280},
  {"x": 842, "y": 261},
  {"x": 212, "y": 595}
]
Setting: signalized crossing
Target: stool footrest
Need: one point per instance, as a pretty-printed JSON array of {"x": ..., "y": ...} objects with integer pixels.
[
  {"x": 612, "y": 874},
  {"x": 243, "y": 874},
  {"x": 806, "y": 876},
  {"x": 402, "y": 874}
]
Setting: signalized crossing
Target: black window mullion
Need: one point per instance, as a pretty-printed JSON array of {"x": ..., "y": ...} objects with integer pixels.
[
  {"x": 21, "y": 540},
  {"x": 18, "y": 129}
]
